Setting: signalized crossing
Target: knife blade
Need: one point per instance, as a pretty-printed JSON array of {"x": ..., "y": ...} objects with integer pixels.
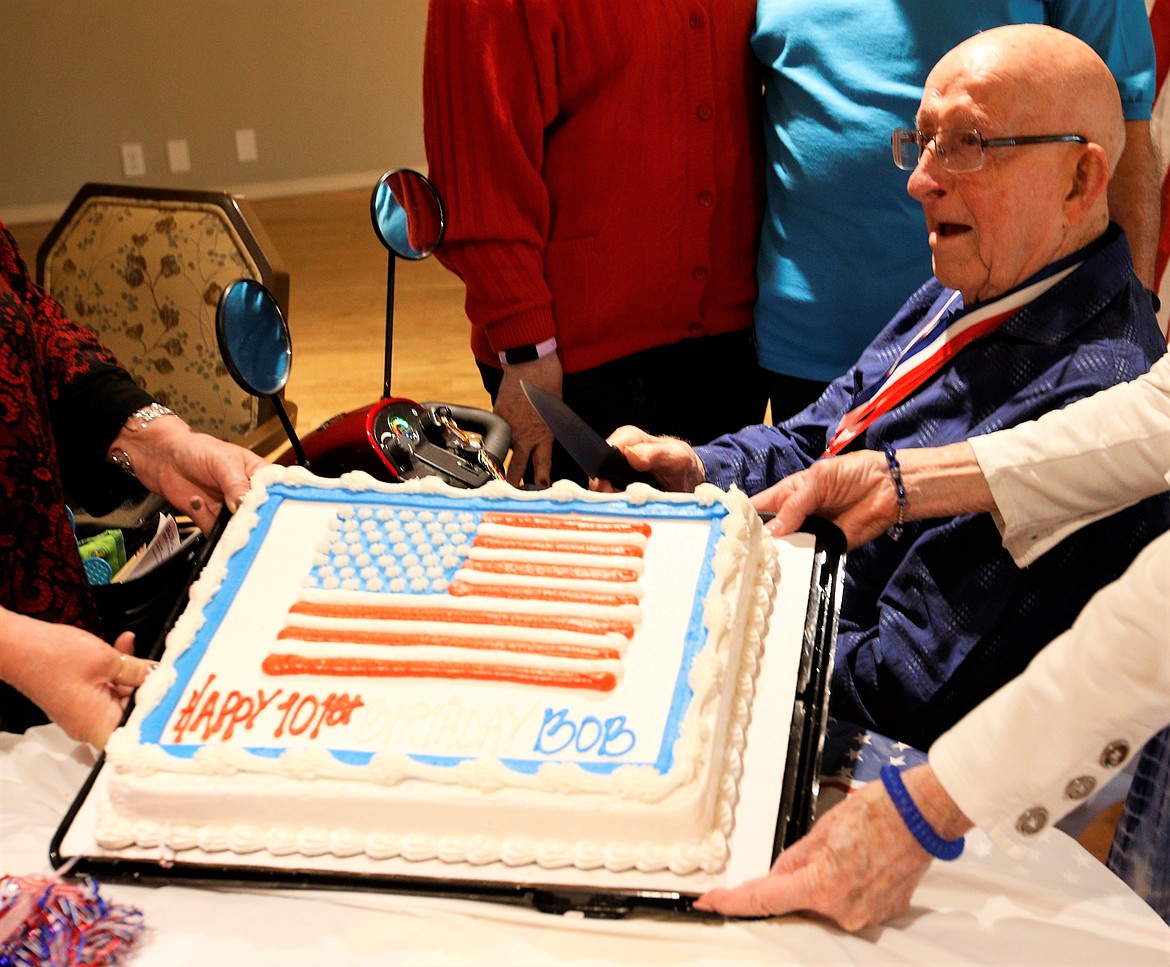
[{"x": 584, "y": 444}]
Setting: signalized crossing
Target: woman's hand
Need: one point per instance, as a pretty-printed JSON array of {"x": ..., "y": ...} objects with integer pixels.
[
  {"x": 77, "y": 680},
  {"x": 196, "y": 473},
  {"x": 858, "y": 866},
  {"x": 532, "y": 440}
]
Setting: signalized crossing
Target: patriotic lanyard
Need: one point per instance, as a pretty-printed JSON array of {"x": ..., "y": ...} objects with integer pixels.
[{"x": 939, "y": 340}]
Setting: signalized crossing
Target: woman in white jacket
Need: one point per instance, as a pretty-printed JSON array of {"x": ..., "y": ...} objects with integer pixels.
[{"x": 1047, "y": 740}]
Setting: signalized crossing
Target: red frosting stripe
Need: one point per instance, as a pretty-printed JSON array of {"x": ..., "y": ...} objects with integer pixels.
[
  {"x": 491, "y": 542},
  {"x": 469, "y": 589},
  {"x": 568, "y": 523},
  {"x": 278, "y": 664},
  {"x": 405, "y": 612},
  {"x": 568, "y": 571},
  {"x": 562, "y": 650}
]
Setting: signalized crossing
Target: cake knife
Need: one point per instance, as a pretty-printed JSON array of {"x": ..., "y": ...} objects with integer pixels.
[{"x": 584, "y": 444}]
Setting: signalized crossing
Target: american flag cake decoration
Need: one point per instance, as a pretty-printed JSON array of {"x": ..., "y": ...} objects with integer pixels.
[{"x": 527, "y": 598}]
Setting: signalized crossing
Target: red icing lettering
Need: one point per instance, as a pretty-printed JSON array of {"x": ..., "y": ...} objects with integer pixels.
[
  {"x": 334, "y": 710},
  {"x": 186, "y": 715},
  {"x": 221, "y": 714}
]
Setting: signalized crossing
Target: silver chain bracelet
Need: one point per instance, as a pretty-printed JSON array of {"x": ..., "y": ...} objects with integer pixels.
[
  {"x": 140, "y": 419},
  {"x": 145, "y": 415}
]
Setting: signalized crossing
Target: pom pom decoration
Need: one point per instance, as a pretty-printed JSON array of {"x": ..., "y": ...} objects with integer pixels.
[{"x": 46, "y": 922}]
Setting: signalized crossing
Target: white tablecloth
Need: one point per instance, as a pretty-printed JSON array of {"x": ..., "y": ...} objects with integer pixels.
[{"x": 1060, "y": 907}]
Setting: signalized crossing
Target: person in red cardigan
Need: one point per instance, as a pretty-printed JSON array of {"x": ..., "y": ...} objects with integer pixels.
[
  {"x": 602, "y": 172},
  {"x": 72, "y": 419}
]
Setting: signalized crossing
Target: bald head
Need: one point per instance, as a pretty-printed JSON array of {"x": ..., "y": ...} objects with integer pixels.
[
  {"x": 1042, "y": 78},
  {"x": 1048, "y": 118}
]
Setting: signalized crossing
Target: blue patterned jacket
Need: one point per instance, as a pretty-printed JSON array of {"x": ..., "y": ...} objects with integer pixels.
[{"x": 936, "y": 622}]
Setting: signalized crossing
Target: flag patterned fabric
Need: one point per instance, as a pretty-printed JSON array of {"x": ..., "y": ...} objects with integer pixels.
[
  {"x": 517, "y": 597},
  {"x": 853, "y": 757}
]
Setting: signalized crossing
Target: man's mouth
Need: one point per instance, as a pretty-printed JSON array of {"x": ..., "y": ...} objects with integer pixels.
[{"x": 950, "y": 229}]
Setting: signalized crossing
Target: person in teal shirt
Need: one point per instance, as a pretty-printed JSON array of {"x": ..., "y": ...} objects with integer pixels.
[{"x": 842, "y": 241}]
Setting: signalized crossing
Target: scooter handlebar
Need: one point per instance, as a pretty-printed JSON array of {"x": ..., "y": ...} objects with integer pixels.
[{"x": 496, "y": 433}]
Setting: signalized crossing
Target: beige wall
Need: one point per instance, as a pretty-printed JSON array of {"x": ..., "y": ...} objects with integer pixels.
[{"x": 332, "y": 89}]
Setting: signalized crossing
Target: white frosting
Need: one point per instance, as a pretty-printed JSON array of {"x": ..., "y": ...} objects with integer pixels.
[{"x": 218, "y": 755}]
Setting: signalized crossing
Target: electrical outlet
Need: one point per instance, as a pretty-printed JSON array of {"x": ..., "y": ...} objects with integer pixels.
[
  {"x": 178, "y": 156},
  {"x": 133, "y": 160},
  {"x": 246, "y": 144}
]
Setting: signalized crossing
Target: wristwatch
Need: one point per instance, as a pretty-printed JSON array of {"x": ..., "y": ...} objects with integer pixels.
[{"x": 529, "y": 352}]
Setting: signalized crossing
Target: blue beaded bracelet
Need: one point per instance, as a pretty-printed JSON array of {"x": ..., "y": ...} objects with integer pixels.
[
  {"x": 895, "y": 531},
  {"x": 928, "y": 839}
]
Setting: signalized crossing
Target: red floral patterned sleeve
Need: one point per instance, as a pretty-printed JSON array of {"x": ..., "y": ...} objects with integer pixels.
[
  {"x": 87, "y": 393},
  {"x": 62, "y": 399}
]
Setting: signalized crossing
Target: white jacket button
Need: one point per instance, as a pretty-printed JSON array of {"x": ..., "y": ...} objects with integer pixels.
[
  {"x": 1032, "y": 821},
  {"x": 1080, "y": 787},
  {"x": 1115, "y": 753}
]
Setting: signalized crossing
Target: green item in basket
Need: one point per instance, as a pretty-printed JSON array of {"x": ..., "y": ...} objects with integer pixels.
[{"x": 109, "y": 545}]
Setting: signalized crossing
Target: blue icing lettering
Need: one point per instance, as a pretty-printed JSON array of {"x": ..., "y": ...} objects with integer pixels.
[{"x": 610, "y": 738}]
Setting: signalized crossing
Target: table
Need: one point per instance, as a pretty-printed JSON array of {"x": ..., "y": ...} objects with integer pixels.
[{"x": 1060, "y": 906}]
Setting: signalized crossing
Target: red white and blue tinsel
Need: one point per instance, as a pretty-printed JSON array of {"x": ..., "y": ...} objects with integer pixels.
[{"x": 48, "y": 922}]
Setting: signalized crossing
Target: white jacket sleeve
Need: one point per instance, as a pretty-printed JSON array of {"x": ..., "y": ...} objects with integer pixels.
[
  {"x": 1082, "y": 708},
  {"x": 1077, "y": 465},
  {"x": 1091, "y": 699}
]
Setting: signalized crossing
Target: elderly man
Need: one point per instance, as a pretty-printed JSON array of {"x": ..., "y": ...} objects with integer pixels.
[
  {"x": 1093, "y": 702},
  {"x": 1034, "y": 304}
]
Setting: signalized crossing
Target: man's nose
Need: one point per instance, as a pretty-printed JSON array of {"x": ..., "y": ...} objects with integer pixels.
[{"x": 929, "y": 179}]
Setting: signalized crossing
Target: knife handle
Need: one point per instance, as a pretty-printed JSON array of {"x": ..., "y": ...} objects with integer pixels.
[{"x": 617, "y": 470}]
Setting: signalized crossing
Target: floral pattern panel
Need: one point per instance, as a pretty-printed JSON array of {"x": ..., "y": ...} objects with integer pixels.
[{"x": 146, "y": 277}]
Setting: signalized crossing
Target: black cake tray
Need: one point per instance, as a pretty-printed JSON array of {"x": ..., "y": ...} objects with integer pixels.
[{"x": 784, "y": 818}]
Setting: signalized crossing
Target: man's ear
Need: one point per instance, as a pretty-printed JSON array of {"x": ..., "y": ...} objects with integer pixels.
[{"x": 1090, "y": 181}]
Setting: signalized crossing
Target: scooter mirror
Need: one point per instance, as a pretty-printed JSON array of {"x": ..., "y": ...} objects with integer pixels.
[
  {"x": 256, "y": 346},
  {"x": 407, "y": 214},
  {"x": 408, "y": 220},
  {"x": 253, "y": 338}
]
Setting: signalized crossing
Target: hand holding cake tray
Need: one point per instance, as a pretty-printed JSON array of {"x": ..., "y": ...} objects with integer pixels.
[{"x": 488, "y": 692}]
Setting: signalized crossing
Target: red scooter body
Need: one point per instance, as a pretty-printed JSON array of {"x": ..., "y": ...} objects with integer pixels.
[{"x": 398, "y": 439}]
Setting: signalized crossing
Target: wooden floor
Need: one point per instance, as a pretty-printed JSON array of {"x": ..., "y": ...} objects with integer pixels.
[{"x": 337, "y": 312}]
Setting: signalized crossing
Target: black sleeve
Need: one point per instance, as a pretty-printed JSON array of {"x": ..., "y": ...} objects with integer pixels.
[{"x": 86, "y": 418}]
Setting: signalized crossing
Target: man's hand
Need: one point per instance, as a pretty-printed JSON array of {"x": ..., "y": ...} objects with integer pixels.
[
  {"x": 77, "y": 680},
  {"x": 672, "y": 461},
  {"x": 854, "y": 491},
  {"x": 197, "y": 473},
  {"x": 858, "y": 866},
  {"x": 531, "y": 439}
]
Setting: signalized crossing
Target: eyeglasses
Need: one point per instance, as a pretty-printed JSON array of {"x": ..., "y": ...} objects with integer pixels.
[{"x": 960, "y": 150}]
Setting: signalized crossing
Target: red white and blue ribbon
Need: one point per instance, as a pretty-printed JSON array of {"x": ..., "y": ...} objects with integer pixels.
[
  {"x": 48, "y": 922},
  {"x": 938, "y": 341}
]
